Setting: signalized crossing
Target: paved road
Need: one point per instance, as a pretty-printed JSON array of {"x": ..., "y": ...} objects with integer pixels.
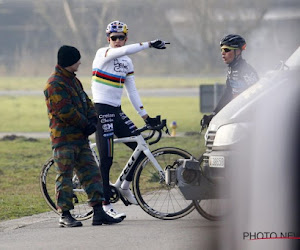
[
  {"x": 26, "y": 134},
  {"x": 137, "y": 231},
  {"x": 143, "y": 92}
]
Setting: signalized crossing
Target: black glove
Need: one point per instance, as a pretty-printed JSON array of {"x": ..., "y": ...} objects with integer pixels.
[
  {"x": 91, "y": 127},
  {"x": 158, "y": 44},
  {"x": 152, "y": 121},
  {"x": 206, "y": 120}
]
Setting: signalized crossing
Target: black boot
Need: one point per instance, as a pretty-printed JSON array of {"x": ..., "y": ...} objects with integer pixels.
[
  {"x": 100, "y": 217},
  {"x": 66, "y": 220}
]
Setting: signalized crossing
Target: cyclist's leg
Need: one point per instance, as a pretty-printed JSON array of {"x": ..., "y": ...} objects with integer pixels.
[
  {"x": 89, "y": 175},
  {"x": 104, "y": 141},
  {"x": 64, "y": 158},
  {"x": 124, "y": 128}
]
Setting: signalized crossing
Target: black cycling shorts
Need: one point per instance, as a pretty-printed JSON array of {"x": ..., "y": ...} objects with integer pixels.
[{"x": 111, "y": 121}]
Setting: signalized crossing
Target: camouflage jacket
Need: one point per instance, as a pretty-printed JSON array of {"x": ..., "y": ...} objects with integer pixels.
[{"x": 69, "y": 108}]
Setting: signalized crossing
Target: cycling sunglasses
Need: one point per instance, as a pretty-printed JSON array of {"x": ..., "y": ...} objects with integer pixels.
[
  {"x": 226, "y": 50},
  {"x": 114, "y": 38}
]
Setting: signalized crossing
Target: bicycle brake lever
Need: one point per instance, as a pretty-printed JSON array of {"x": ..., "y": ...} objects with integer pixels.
[
  {"x": 201, "y": 130},
  {"x": 167, "y": 130}
]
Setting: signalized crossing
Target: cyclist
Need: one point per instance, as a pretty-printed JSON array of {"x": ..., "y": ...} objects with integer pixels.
[
  {"x": 240, "y": 74},
  {"x": 113, "y": 70},
  {"x": 72, "y": 118}
]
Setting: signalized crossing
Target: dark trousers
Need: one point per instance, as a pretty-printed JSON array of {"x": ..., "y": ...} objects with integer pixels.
[{"x": 111, "y": 121}]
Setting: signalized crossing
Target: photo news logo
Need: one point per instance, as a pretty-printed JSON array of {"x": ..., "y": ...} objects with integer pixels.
[{"x": 269, "y": 235}]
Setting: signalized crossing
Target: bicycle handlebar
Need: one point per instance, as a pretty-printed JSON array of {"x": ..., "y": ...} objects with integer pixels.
[{"x": 158, "y": 128}]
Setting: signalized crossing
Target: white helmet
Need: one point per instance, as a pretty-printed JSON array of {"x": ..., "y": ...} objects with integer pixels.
[{"x": 116, "y": 26}]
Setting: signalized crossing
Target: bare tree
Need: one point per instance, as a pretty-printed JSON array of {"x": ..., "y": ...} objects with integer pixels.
[
  {"x": 208, "y": 22},
  {"x": 194, "y": 28}
]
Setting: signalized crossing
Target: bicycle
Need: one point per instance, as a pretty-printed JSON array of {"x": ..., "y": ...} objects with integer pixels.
[{"x": 153, "y": 194}]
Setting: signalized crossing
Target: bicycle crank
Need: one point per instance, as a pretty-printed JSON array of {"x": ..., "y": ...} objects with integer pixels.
[{"x": 114, "y": 194}]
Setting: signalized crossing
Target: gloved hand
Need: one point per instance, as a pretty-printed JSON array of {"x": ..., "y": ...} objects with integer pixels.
[
  {"x": 91, "y": 127},
  {"x": 206, "y": 120},
  {"x": 152, "y": 121},
  {"x": 158, "y": 44}
]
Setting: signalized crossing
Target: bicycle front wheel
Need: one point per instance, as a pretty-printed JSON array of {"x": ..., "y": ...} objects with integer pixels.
[
  {"x": 81, "y": 211},
  {"x": 212, "y": 209},
  {"x": 151, "y": 191}
]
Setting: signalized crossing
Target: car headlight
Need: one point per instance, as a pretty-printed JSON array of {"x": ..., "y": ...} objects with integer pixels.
[{"x": 229, "y": 134}]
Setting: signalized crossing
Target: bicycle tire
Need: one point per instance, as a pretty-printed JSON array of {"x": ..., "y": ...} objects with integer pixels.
[
  {"x": 154, "y": 196},
  {"x": 212, "y": 209},
  {"x": 81, "y": 211}
]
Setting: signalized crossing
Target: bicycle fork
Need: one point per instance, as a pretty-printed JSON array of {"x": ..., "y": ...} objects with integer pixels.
[{"x": 132, "y": 163}]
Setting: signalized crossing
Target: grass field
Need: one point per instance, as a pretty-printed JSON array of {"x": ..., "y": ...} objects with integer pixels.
[
  {"x": 38, "y": 83},
  {"x": 22, "y": 158},
  {"x": 29, "y": 114}
]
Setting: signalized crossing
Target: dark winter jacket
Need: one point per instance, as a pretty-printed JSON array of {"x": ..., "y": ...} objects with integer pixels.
[
  {"x": 240, "y": 76},
  {"x": 69, "y": 108}
]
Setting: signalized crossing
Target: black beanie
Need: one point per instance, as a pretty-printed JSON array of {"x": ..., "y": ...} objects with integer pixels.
[{"x": 67, "y": 56}]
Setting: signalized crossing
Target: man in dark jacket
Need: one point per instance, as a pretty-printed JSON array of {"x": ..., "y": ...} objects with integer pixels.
[
  {"x": 240, "y": 76},
  {"x": 72, "y": 118}
]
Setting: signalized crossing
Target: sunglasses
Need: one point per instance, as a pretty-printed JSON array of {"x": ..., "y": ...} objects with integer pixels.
[
  {"x": 114, "y": 38},
  {"x": 226, "y": 50}
]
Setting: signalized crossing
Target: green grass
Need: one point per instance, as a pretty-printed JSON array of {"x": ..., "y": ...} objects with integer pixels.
[
  {"x": 20, "y": 164},
  {"x": 29, "y": 114},
  {"x": 22, "y": 159},
  {"x": 23, "y": 114},
  {"x": 38, "y": 83}
]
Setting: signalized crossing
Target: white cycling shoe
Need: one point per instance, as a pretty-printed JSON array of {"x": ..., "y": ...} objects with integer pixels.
[
  {"x": 113, "y": 213},
  {"x": 128, "y": 195}
]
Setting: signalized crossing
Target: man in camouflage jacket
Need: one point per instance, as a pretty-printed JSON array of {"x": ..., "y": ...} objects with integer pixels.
[{"x": 72, "y": 118}]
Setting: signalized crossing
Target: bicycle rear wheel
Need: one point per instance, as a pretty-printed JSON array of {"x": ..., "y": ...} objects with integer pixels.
[
  {"x": 152, "y": 193},
  {"x": 81, "y": 211}
]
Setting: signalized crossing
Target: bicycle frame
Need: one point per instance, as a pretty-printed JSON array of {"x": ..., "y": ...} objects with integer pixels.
[{"x": 142, "y": 146}]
